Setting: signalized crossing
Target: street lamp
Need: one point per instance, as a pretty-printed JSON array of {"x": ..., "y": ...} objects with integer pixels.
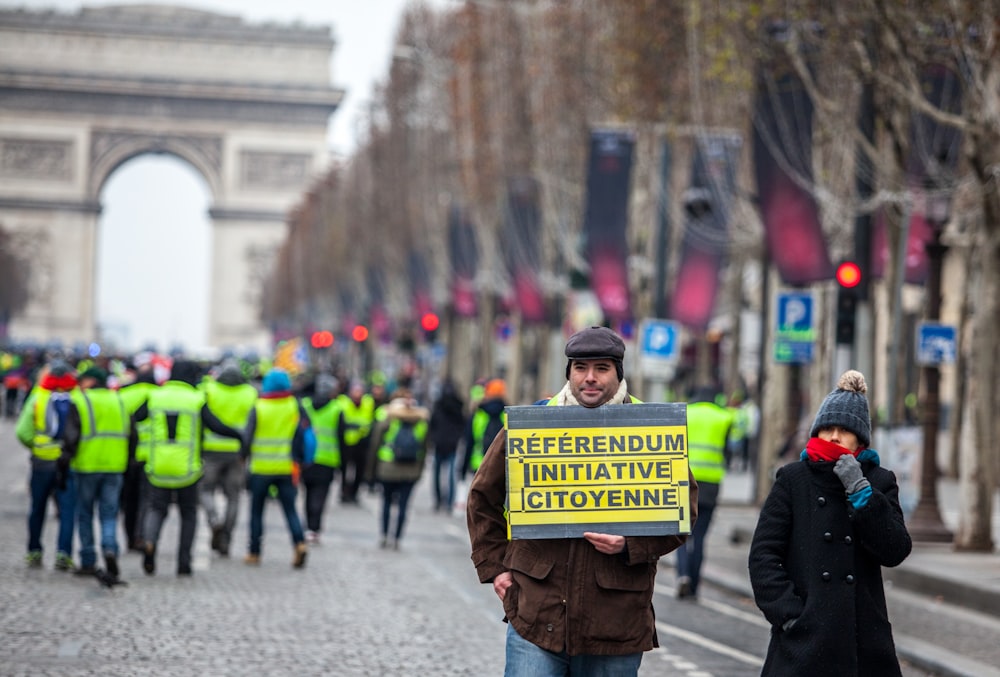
[{"x": 926, "y": 524}]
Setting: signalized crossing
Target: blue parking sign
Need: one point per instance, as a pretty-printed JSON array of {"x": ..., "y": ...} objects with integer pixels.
[
  {"x": 794, "y": 337},
  {"x": 659, "y": 339},
  {"x": 936, "y": 343}
]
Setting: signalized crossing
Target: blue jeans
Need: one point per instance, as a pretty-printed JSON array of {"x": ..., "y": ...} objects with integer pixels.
[
  {"x": 104, "y": 488},
  {"x": 525, "y": 659},
  {"x": 691, "y": 554},
  {"x": 444, "y": 462},
  {"x": 43, "y": 485},
  {"x": 286, "y": 496},
  {"x": 399, "y": 493}
]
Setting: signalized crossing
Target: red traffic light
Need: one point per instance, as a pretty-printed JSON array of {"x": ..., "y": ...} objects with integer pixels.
[
  {"x": 849, "y": 274},
  {"x": 321, "y": 339},
  {"x": 429, "y": 322},
  {"x": 360, "y": 333}
]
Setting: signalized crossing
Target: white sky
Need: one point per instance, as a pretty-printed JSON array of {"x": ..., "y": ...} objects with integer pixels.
[{"x": 154, "y": 195}]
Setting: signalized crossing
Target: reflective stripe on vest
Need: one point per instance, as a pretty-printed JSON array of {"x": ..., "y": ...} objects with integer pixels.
[
  {"x": 271, "y": 447},
  {"x": 104, "y": 427},
  {"x": 324, "y": 424},
  {"x": 385, "y": 452},
  {"x": 357, "y": 418},
  {"x": 175, "y": 462},
  {"x": 707, "y": 427},
  {"x": 43, "y": 446},
  {"x": 231, "y": 405}
]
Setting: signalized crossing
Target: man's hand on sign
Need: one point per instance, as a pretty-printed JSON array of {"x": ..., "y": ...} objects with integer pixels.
[
  {"x": 501, "y": 583},
  {"x": 609, "y": 544}
]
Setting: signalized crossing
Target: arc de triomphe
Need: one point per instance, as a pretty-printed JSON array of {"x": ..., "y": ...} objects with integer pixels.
[{"x": 247, "y": 105}]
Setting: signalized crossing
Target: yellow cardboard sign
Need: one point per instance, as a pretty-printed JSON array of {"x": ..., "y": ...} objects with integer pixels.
[{"x": 619, "y": 469}]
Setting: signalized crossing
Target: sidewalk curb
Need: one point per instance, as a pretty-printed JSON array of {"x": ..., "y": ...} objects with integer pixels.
[{"x": 952, "y": 591}]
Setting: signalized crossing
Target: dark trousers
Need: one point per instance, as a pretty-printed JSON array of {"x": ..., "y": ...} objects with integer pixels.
[
  {"x": 444, "y": 469},
  {"x": 692, "y": 553},
  {"x": 259, "y": 488},
  {"x": 398, "y": 493},
  {"x": 131, "y": 503},
  {"x": 156, "y": 513},
  {"x": 316, "y": 479},
  {"x": 45, "y": 483},
  {"x": 353, "y": 460}
]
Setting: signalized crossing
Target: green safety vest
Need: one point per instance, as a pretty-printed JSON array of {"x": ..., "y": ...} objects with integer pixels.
[
  {"x": 231, "y": 405},
  {"x": 134, "y": 396},
  {"x": 707, "y": 429},
  {"x": 175, "y": 462},
  {"x": 324, "y": 424},
  {"x": 271, "y": 447},
  {"x": 480, "y": 420},
  {"x": 358, "y": 418},
  {"x": 43, "y": 446},
  {"x": 385, "y": 452},
  {"x": 740, "y": 424},
  {"x": 104, "y": 429}
]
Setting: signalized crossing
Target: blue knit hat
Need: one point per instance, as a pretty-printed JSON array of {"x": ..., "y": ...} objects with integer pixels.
[
  {"x": 276, "y": 381},
  {"x": 846, "y": 407}
]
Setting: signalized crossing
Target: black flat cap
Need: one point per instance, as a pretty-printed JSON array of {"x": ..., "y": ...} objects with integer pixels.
[{"x": 595, "y": 343}]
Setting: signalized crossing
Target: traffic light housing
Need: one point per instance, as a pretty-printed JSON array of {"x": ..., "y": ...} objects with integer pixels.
[
  {"x": 429, "y": 322},
  {"x": 848, "y": 281}
]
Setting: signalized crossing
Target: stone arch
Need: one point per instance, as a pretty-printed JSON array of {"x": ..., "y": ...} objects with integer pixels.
[{"x": 81, "y": 93}]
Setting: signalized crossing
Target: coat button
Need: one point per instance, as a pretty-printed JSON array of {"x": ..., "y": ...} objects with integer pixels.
[
  {"x": 828, "y": 537},
  {"x": 550, "y": 627},
  {"x": 849, "y": 579},
  {"x": 821, "y": 501},
  {"x": 827, "y": 576},
  {"x": 847, "y": 539}
]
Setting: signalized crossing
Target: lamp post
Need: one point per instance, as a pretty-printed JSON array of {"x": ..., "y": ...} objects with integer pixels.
[{"x": 926, "y": 524}]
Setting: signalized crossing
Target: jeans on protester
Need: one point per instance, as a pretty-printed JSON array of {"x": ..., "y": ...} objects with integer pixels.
[
  {"x": 259, "y": 485},
  {"x": 525, "y": 659},
  {"x": 223, "y": 473},
  {"x": 103, "y": 488},
  {"x": 398, "y": 493},
  {"x": 444, "y": 462},
  {"x": 692, "y": 553},
  {"x": 316, "y": 480},
  {"x": 353, "y": 459},
  {"x": 156, "y": 513},
  {"x": 131, "y": 504},
  {"x": 44, "y": 483}
]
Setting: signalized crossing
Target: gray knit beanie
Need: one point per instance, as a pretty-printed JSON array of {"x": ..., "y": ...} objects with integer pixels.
[{"x": 846, "y": 407}]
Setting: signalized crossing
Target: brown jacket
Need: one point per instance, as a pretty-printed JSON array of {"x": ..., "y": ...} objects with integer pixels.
[
  {"x": 393, "y": 471},
  {"x": 566, "y": 595}
]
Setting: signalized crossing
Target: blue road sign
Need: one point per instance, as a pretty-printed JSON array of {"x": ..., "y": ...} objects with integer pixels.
[
  {"x": 660, "y": 339},
  {"x": 936, "y": 343},
  {"x": 794, "y": 337}
]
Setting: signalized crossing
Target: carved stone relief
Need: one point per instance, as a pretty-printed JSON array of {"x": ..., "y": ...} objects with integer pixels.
[
  {"x": 36, "y": 159},
  {"x": 109, "y": 148},
  {"x": 34, "y": 246},
  {"x": 259, "y": 260},
  {"x": 261, "y": 169}
]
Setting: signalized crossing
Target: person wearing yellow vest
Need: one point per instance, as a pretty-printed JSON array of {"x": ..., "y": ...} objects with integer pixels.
[
  {"x": 230, "y": 398},
  {"x": 179, "y": 416},
  {"x": 708, "y": 429},
  {"x": 278, "y": 436},
  {"x": 357, "y": 415},
  {"x": 324, "y": 414},
  {"x": 98, "y": 443},
  {"x": 395, "y": 468},
  {"x": 47, "y": 477},
  {"x": 134, "y": 483},
  {"x": 485, "y": 422}
]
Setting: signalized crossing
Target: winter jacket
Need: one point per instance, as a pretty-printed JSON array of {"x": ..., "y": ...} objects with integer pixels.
[
  {"x": 566, "y": 596},
  {"x": 396, "y": 471},
  {"x": 817, "y": 560},
  {"x": 447, "y": 422}
]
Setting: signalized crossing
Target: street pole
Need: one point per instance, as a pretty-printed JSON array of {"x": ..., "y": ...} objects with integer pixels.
[{"x": 926, "y": 524}]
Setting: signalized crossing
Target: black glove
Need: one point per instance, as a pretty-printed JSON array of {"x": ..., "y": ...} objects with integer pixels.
[{"x": 848, "y": 470}]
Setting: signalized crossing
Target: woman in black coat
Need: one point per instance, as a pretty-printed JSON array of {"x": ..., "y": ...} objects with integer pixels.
[
  {"x": 446, "y": 429},
  {"x": 829, "y": 524}
]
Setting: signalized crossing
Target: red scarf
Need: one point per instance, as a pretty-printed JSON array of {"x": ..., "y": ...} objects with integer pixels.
[
  {"x": 821, "y": 450},
  {"x": 65, "y": 382}
]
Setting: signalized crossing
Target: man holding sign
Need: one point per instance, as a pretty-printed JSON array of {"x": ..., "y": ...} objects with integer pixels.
[{"x": 568, "y": 520}]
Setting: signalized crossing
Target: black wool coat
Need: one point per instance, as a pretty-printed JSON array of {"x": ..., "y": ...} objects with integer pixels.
[{"x": 816, "y": 559}]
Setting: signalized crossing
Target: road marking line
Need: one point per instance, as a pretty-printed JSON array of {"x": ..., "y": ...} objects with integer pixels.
[{"x": 711, "y": 645}]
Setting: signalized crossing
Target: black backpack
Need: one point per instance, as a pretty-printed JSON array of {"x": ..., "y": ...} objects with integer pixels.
[{"x": 405, "y": 445}]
